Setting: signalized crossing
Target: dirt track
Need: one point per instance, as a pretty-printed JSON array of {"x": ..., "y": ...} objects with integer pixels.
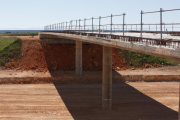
[{"x": 132, "y": 101}]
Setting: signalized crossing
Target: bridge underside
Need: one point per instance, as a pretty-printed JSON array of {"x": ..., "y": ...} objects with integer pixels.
[
  {"x": 144, "y": 46},
  {"x": 169, "y": 50}
]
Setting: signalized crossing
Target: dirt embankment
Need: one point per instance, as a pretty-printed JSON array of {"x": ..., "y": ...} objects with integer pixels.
[{"x": 42, "y": 57}]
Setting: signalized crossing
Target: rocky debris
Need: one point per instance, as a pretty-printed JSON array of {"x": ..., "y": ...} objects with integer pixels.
[
  {"x": 132, "y": 68},
  {"x": 118, "y": 68},
  {"x": 148, "y": 66},
  {"x": 95, "y": 63},
  {"x": 8, "y": 65},
  {"x": 12, "y": 64}
]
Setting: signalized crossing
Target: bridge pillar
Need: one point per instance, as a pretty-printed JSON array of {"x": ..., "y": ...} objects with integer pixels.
[
  {"x": 179, "y": 103},
  {"x": 78, "y": 58},
  {"x": 107, "y": 78}
]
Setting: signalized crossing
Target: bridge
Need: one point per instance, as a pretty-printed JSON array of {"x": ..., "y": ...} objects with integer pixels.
[{"x": 160, "y": 43}]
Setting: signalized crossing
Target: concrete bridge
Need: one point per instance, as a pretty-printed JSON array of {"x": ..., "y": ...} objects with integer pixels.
[
  {"x": 156, "y": 47},
  {"x": 157, "y": 43}
]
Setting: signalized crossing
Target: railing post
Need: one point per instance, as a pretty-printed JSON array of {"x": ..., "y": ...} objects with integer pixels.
[
  {"x": 123, "y": 22},
  {"x": 111, "y": 23},
  {"x": 71, "y": 25},
  {"x": 99, "y": 24},
  {"x": 76, "y": 25},
  {"x": 66, "y": 25},
  {"x": 172, "y": 26},
  {"x": 92, "y": 25},
  {"x": 149, "y": 27},
  {"x": 79, "y": 24},
  {"x": 156, "y": 27},
  {"x": 161, "y": 21},
  {"x": 63, "y": 26},
  {"x": 141, "y": 22},
  {"x": 84, "y": 24},
  {"x": 50, "y": 27}
]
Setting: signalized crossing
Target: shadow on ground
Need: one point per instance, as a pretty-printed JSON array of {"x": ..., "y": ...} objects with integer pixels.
[
  {"x": 86, "y": 73},
  {"x": 84, "y": 103}
]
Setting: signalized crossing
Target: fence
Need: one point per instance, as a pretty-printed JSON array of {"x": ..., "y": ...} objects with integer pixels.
[{"x": 78, "y": 26}]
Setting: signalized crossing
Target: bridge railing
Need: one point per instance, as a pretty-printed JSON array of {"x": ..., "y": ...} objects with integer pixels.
[{"x": 81, "y": 25}]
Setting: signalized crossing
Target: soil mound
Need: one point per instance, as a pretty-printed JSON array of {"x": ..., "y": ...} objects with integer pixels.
[{"x": 42, "y": 57}]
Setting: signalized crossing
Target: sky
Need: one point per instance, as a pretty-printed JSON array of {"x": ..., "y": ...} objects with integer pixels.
[{"x": 35, "y": 14}]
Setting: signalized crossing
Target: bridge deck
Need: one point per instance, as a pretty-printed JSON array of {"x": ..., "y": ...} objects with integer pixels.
[
  {"x": 145, "y": 35},
  {"x": 160, "y": 48}
]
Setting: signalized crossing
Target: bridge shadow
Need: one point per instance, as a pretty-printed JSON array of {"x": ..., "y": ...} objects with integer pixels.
[
  {"x": 86, "y": 73},
  {"x": 84, "y": 103}
]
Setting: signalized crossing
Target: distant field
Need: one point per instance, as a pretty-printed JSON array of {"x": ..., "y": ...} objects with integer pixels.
[
  {"x": 9, "y": 48},
  {"x": 19, "y": 34}
]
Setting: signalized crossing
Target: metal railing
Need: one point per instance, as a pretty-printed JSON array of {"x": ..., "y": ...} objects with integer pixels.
[
  {"x": 78, "y": 26},
  {"x": 161, "y": 23},
  {"x": 86, "y": 27}
]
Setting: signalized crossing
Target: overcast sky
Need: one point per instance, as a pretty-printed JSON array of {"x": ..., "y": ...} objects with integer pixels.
[{"x": 35, "y": 14}]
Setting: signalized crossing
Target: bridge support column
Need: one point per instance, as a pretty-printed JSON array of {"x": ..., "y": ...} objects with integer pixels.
[
  {"x": 78, "y": 58},
  {"x": 179, "y": 103},
  {"x": 107, "y": 78}
]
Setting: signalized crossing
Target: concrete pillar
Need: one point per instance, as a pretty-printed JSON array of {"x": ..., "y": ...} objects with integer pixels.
[
  {"x": 78, "y": 58},
  {"x": 179, "y": 103},
  {"x": 107, "y": 78}
]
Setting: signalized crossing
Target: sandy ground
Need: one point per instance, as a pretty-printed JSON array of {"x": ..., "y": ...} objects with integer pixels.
[
  {"x": 132, "y": 101},
  {"x": 172, "y": 70}
]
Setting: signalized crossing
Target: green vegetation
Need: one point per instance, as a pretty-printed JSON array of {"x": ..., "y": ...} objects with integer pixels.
[
  {"x": 9, "y": 48},
  {"x": 138, "y": 59},
  {"x": 19, "y": 34}
]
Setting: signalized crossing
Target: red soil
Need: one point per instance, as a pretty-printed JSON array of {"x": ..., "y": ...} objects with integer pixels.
[{"x": 43, "y": 57}]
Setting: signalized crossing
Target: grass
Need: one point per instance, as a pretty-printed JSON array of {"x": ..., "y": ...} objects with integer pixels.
[
  {"x": 19, "y": 34},
  {"x": 11, "y": 48},
  {"x": 138, "y": 59}
]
